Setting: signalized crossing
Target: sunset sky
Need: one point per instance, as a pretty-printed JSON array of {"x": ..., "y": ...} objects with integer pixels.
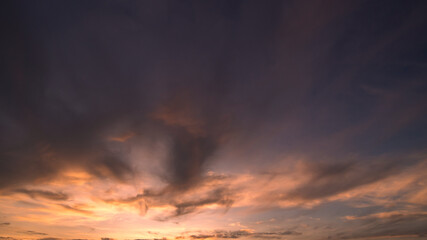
[{"x": 227, "y": 119}]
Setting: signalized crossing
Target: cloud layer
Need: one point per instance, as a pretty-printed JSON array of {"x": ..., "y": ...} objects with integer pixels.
[{"x": 221, "y": 119}]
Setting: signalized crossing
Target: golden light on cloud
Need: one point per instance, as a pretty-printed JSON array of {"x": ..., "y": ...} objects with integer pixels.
[
  {"x": 76, "y": 198},
  {"x": 122, "y": 138}
]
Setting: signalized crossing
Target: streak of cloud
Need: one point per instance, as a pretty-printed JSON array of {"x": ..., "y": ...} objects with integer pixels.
[
  {"x": 220, "y": 234},
  {"x": 34, "y": 233},
  {"x": 56, "y": 196}
]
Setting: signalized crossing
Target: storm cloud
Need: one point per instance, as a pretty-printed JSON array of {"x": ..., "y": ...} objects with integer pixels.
[
  {"x": 69, "y": 87},
  {"x": 169, "y": 108}
]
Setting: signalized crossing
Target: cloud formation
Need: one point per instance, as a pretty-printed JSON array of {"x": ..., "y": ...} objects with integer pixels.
[
  {"x": 245, "y": 233},
  {"x": 388, "y": 225},
  {"x": 331, "y": 179},
  {"x": 117, "y": 117},
  {"x": 44, "y": 194},
  {"x": 183, "y": 202},
  {"x": 34, "y": 233}
]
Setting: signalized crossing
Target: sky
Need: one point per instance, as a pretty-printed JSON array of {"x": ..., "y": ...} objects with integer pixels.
[{"x": 293, "y": 120}]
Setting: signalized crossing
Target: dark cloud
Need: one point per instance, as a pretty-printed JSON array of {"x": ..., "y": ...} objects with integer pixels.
[
  {"x": 188, "y": 156},
  {"x": 27, "y": 204},
  {"x": 232, "y": 234},
  {"x": 34, "y": 233},
  {"x": 75, "y": 209},
  {"x": 202, "y": 236},
  {"x": 218, "y": 196},
  {"x": 285, "y": 233},
  {"x": 82, "y": 96},
  {"x": 5, "y": 224},
  {"x": 334, "y": 178},
  {"x": 242, "y": 233},
  {"x": 56, "y": 196},
  {"x": 389, "y": 226},
  {"x": 221, "y": 195}
]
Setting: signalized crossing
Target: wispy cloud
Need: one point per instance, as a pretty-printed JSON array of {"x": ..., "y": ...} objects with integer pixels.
[
  {"x": 56, "y": 196},
  {"x": 30, "y": 232},
  {"x": 219, "y": 234}
]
